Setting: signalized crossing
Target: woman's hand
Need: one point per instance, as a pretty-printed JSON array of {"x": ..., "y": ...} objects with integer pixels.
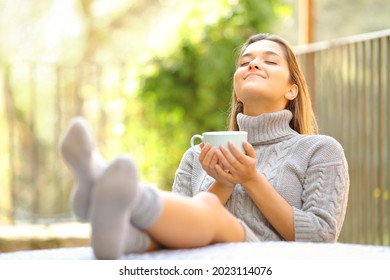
[
  {"x": 209, "y": 160},
  {"x": 240, "y": 168},
  {"x": 235, "y": 166}
]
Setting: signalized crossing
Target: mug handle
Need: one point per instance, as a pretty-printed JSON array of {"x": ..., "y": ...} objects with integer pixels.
[{"x": 193, "y": 138}]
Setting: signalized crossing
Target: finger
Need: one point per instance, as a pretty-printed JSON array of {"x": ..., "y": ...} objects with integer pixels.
[
  {"x": 236, "y": 152},
  {"x": 228, "y": 155},
  {"x": 205, "y": 149},
  {"x": 214, "y": 160},
  {"x": 222, "y": 173},
  {"x": 209, "y": 158},
  {"x": 250, "y": 151},
  {"x": 211, "y": 161},
  {"x": 222, "y": 159}
]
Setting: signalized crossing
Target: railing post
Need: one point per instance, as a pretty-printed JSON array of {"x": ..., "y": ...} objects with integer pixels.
[
  {"x": 306, "y": 22},
  {"x": 8, "y": 195},
  {"x": 307, "y": 36}
]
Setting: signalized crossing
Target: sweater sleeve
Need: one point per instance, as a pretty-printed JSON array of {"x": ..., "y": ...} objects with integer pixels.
[
  {"x": 183, "y": 175},
  {"x": 325, "y": 193}
]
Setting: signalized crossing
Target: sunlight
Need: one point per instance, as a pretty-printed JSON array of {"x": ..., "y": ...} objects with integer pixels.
[
  {"x": 169, "y": 20},
  {"x": 51, "y": 34},
  {"x": 59, "y": 28},
  {"x": 173, "y": 14},
  {"x": 131, "y": 86},
  {"x": 119, "y": 129},
  {"x": 102, "y": 8}
]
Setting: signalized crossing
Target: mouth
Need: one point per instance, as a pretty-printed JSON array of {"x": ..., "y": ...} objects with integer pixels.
[{"x": 255, "y": 75}]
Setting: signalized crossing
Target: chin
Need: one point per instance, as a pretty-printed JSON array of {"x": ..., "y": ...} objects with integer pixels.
[{"x": 251, "y": 95}]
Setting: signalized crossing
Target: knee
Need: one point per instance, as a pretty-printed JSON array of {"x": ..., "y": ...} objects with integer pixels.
[{"x": 209, "y": 199}]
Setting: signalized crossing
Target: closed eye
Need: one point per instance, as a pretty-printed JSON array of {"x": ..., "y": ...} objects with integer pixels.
[
  {"x": 244, "y": 63},
  {"x": 270, "y": 62}
]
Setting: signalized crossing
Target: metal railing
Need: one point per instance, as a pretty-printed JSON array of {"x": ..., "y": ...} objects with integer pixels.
[
  {"x": 349, "y": 80},
  {"x": 37, "y": 100}
]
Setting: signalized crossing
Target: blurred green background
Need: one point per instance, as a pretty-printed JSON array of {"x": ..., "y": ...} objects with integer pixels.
[{"x": 147, "y": 75}]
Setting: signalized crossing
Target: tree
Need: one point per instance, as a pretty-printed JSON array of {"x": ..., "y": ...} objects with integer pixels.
[
  {"x": 48, "y": 73},
  {"x": 78, "y": 58},
  {"x": 188, "y": 90}
]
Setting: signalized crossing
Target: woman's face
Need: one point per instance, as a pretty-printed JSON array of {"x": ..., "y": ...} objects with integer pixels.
[{"x": 261, "y": 81}]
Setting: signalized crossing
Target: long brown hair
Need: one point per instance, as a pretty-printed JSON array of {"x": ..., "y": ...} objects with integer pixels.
[{"x": 303, "y": 121}]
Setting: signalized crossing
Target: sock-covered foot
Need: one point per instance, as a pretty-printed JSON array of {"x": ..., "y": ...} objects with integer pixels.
[
  {"x": 77, "y": 149},
  {"x": 114, "y": 197}
]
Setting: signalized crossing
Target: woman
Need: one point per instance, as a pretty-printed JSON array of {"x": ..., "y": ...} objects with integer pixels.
[{"x": 290, "y": 184}]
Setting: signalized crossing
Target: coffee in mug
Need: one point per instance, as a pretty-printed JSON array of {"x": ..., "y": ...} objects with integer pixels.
[{"x": 218, "y": 138}]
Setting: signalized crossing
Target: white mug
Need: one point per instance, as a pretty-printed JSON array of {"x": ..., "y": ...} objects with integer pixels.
[{"x": 218, "y": 138}]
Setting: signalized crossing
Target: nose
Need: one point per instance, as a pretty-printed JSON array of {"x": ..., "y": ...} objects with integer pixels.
[{"x": 254, "y": 64}]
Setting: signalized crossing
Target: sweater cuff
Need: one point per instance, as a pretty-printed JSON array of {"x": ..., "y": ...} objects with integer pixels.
[{"x": 303, "y": 226}]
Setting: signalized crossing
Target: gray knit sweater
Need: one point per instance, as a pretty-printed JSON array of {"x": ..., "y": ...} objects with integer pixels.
[{"x": 309, "y": 171}]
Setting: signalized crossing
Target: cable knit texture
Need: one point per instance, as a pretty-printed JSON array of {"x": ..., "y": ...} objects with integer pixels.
[{"x": 309, "y": 171}]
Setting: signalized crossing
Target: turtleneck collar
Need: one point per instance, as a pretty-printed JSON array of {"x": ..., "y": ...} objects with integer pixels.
[{"x": 267, "y": 128}]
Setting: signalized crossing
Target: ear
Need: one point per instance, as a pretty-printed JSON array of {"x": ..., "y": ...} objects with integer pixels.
[{"x": 292, "y": 93}]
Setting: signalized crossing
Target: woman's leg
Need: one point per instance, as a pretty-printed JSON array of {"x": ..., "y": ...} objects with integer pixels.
[
  {"x": 194, "y": 222},
  {"x": 78, "y": 150},
  {"x": 171, "y": 220},
  {"x": 117, "y": 209}
]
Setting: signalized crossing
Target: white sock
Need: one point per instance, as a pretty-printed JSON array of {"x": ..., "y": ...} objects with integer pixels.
[
  {"x": 115, "y": 195},
  {"x": 78, "y": 150}
]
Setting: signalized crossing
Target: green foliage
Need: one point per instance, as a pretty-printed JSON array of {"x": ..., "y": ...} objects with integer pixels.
[{"x": 188, "y": 90}]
